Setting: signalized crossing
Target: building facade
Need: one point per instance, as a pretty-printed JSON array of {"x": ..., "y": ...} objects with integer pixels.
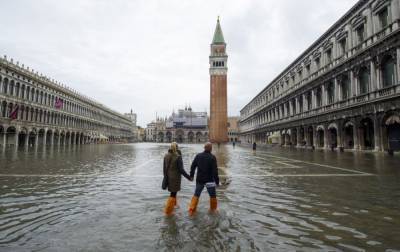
[
  {"x": 218, "y": 88},
  {"x": 135, "y": 130},
  {"x": 185, "y": 126},
  {"x": 233, "y": 129},
  {"x": 35, "y": 110},
  {"x": 343, "y": 92}
]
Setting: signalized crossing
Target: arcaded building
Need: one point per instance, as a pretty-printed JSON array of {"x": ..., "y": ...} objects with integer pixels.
[
  {"x": 185, "y": 126},
  {"x": 343, "y": 92},
  {"x": 36, "y": 110}
]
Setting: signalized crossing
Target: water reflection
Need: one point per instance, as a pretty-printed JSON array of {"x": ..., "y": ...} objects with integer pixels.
[{"x": 51, "y": 199}]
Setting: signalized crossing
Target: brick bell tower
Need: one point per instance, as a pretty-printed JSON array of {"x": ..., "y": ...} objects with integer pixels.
[{"x": 218, "y": 125}]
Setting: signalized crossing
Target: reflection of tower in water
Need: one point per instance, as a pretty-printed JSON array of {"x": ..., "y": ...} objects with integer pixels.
[{"x": 220, "y": 153}]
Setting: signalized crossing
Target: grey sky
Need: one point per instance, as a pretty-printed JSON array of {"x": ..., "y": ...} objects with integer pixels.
[{"x": 152, "y": 56}]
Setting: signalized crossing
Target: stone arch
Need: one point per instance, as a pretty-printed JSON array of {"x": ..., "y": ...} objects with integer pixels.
[
  {"x": 4, "y": 109},
  {"x": 179, "y": 136},
  {"x": 62, "y": 137},
  {"x": 332, "y": 135},
  {"x": 68, "y": 137},
  {"x": 348, "y": 134},
  {"x": 161, "y": 136},
  {"x": 391, "y": 131},
  {"x": 293, "y": 137},
  {"x": 5, "y": 86},
  {"x": 32, "y": 137},
  {"x": 11, "y": 135},
  {"x": 366, "y": 133},
  {"x": 23, "y": 136},
  {"x": 388, "y": 70},
  {"x": 42, "y": 136},
  {"x": 190, "y": 137},
  {"x": 56, "y": 137},
  {"x": 169, "y": 136},
  {"x": 320, "y": 133},
  {"x": 199, "y": 137},
  {"x": 49, "y": 135}
]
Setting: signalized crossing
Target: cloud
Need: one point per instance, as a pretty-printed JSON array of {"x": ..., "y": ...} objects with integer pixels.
[{"x": 152, "y": 56}]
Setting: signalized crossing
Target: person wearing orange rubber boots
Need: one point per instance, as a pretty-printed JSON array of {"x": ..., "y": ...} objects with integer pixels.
[
  {"x": 207, "y": 176},
  {"x": 173, "y": 170}
]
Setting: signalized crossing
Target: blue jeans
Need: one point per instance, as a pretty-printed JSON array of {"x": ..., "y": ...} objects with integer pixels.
[{"x": 199, "y": 188}]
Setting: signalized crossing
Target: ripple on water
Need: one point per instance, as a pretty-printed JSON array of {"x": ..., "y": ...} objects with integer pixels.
[{"x": 99, "y": 203}]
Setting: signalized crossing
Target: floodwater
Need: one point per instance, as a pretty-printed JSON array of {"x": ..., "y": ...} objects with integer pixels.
[{"x": 109, "y": 198}]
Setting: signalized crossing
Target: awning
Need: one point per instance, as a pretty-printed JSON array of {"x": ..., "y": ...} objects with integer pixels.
[
  {"x": 392, "y": 120},
  {"x": 103, "y": 136}
]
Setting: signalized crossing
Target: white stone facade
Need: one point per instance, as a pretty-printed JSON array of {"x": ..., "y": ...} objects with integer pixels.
[
  {"x": 35, "y": 110},
  {"x": 343, "y": 92}
]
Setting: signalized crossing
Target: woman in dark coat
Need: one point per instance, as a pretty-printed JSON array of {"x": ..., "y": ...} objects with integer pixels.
[{"x": 173, "y": 169}]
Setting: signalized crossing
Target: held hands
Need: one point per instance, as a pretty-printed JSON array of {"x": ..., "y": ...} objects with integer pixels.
[{"x": 191, "y": 179}]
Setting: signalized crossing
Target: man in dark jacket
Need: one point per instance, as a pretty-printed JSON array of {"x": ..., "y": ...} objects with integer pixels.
[{"x": 207, "y": 176}]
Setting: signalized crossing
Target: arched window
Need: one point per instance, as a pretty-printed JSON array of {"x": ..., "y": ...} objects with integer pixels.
[
  {"x": 28, "y": 90},
  {"x": 11, "y": 87},
  {"x": 319, "y": 97},
  {"x": 331, "y": 92},
  {"x": 345, "y": 87},
  {"x": 32, "y": 94},
  {"x": 309, "y": 101},
  {"x": 5, "y": 86},
  {"x": 388, "y": 70},
  {"x": 363, "y": 80},
  {"x": 17, "y": 86}
]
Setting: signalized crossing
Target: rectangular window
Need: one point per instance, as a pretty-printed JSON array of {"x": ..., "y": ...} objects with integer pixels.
[
  {"x": 328, "y": 54},
  {"x": 308, "y": 70},
  {"x": 360, "y": 32},
  {"x": 343, "y": 46},
  {"x": 317, "y": 63},
  {"x": 383, "y": 16}
]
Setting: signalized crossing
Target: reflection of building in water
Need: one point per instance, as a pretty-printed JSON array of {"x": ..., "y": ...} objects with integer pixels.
[
  {"x": 233, "y": 129},
  {"x": 184, "y": 126}
]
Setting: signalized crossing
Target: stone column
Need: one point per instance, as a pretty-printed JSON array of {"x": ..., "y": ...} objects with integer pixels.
[
  {"x": 59, "y": 139},
  {"x": 323, "y": 94},
  {"x": 313, "y": 99},
  {"x": 378, "y": 76},
  {"x": 369, "y": 24},
  {"x": 315, "y": 137},
  {"x": 52, "y": 138},
  {"x": 326, "y": 137},
  {"x": 339, "y": 134},
  {"x": 356, "y": 137},
  {"x": 398, "y": 60},
  {"x": 305, "y": 102},
  {"x": 26, "y": 143},
  {"x": 353, "y": 88},
  {"x": 37, "y": 139},
  {"x": 299, "y": 140},
  {"x": 336, "y": 93},
  {"x": 5, "y": 138},
  {"x": 16, "y": 137},
  {"x": 45, "y": 137},
  {"x": 395, "y": 11},
  {"x": 374, "y": 81},
  {"x": 377, "y": 133}
]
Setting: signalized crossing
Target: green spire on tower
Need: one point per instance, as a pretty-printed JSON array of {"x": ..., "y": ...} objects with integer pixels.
[{"x": 218, "y": 36}]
